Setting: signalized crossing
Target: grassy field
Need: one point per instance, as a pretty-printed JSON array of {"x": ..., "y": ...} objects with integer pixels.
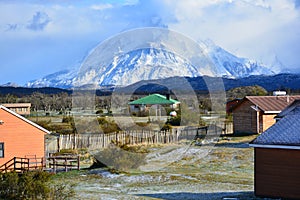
[{"x": 201, "y": 172}]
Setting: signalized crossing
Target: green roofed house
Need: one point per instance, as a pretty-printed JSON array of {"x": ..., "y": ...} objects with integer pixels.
[{"x": 153, "y": 101}]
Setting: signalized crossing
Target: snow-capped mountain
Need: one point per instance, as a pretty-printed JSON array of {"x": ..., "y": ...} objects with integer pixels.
[
  {"x": 61, "y": 79},
  {"x": 153, "y": 63},
  {"x": 231, "y": 66},
  {"x": 10, "y": 84}
]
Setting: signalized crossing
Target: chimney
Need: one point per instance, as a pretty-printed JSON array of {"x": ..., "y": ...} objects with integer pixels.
[
  {"x": 168, "y": 96},
  {"x": 288, "y": 99},
  {"x": 279, "y": 93}
]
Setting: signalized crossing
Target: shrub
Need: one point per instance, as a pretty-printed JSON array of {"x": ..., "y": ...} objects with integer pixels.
[
  {"x": 142, "y": 124},
  {"x": 202, "y": 122},
  {"x": 31, "y": 185},
  {"x": 61, "y": 128},
  {"x": 120, "y": 157},
  {"x": 66, "y": 151},
  {"x": 44, "y": 123},
  {"x": 134, "y": 114},
  {"x": 174, "y": 121},
  {"x": 143, "y": 113},
  {"x": 68, "y": 119},
  {"x": 243, "y": 91},
  {"x": 102, "y": 120},
  {"x": 99, "y": 112},
  {"x": 166, "y": 127},
  {"x": 108, "y": 126}
]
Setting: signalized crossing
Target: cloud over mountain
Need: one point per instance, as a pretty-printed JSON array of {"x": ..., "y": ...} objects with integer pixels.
[
  {"x": 39, "y": 21},
  {"x": 46, "y": 36}
]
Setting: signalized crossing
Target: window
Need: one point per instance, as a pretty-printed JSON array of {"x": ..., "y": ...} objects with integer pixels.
[{"x": 1, "y": 150}]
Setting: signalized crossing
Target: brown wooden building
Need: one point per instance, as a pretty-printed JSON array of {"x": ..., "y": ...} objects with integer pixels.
[
  {"x": 20, "y": 108},
  {"x": 19, "y": 137},
  {"x": 255, "y": 114},
  {"x": 231, "y": 104},
  {"x": 277, "y": 158}
]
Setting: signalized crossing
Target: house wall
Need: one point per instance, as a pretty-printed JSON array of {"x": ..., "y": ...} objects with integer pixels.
[
  {"x": 231, "y": 104},
  {"x": 277, "y": 173},
  {"x": 245, "y": 118},
  {"x": 268, "y": 121},
  {"x": 20, "y": 138}
]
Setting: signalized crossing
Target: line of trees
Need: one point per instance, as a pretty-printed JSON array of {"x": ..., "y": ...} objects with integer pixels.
[
  {"x": 60, "y": 102},
  {"x": 63, "y": 102},
  {"x": 39, "y": 101}
]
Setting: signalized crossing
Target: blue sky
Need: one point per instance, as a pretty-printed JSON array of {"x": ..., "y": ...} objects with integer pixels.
[{"x": 39, "y": 37}]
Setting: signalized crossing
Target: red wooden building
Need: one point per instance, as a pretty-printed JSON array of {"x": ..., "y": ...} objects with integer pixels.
[
  {"x": 277, "y": 157},
  {"x": 19, "y": 137}
]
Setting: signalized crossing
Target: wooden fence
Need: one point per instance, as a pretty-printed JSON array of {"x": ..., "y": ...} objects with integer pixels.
[
  {"x": 19, "y": 164},
  {"x": 65, "y": 162},
  {"x": 96, "y": 141}
]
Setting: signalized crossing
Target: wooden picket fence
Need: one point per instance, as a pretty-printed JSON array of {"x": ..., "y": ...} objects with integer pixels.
[{"x": 96, "y": 141}]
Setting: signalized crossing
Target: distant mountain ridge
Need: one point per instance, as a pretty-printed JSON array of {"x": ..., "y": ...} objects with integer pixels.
[
  {"x": 149, "y": 64},
  {"x": 270, "y": 83},
  {"x": 199, "y": 84}
]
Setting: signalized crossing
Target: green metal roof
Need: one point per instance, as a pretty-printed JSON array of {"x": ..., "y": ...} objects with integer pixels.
[{"x": 153, "y": 99}]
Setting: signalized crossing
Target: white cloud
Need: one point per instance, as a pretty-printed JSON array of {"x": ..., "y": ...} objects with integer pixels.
[
  {"x": 101, "y": 6},
  {"x": 39, "y": 21},
  {"x": 258, "y": 29},
  {"x": 248, "y": 28}
]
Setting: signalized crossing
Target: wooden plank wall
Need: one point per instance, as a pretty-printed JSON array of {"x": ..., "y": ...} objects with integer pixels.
[
  {"x": 277, "y": 173},
  {"x": 244, "y": 118}
]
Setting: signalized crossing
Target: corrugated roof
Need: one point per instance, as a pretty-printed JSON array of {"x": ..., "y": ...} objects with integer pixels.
[
  {"x": 153, "y": 100},
  {"x": 271, "y": 103},
  {"x": 285, "y": 132}
]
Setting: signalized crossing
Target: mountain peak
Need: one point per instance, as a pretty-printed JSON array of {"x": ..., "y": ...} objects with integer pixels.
[
  {"x": 152, "y": 62},
  {"x": 10, "y": 84}
]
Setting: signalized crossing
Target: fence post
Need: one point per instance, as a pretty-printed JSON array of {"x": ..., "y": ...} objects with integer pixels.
[
  {"x": 103, "y": 140},
  {"x": 15, "y": 159},
  {"x": 58, "y": 141},
  {"x": 54, "y": 165},
  {"x": 78, "y": 162},
  {"x": 66, "y": 163},
  {"x": 28, "y": 163}
]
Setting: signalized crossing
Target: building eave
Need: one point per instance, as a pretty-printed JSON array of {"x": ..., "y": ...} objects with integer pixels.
[
  {"x": 270, "y": 146},
  {"x": 272, "y": 112}
]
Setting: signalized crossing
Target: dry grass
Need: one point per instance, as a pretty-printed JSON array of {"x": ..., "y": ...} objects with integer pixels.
[{"x": 228, "y": 167}]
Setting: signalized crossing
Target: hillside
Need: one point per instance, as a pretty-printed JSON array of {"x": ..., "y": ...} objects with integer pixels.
[{"x": 270, "y": 83}]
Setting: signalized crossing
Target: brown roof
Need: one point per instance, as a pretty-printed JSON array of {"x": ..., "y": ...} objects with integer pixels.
[{"x": 271, "y": 104}]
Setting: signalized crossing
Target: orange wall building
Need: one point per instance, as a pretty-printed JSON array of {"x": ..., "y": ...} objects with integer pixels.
[{"x": 19, "y": 137}]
